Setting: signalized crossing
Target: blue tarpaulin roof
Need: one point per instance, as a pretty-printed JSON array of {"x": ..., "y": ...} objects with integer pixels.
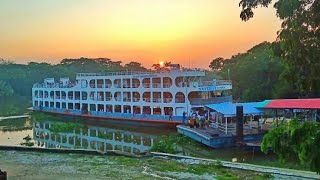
[{"x": 229, "y": 109}]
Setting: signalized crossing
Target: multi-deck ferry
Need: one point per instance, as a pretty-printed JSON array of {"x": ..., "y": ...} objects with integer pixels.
[{"x": 166, "y": 96}]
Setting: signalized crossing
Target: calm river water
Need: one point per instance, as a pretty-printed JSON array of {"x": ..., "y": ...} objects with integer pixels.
[{"x": 79, "y": 134}]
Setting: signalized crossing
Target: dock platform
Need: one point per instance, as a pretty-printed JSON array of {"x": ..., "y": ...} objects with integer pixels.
[{"x": 213, "y": 137}]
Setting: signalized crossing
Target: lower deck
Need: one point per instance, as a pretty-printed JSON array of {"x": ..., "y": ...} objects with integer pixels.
[
  {"x": 155, "y": 119},
  {"x": 217, "y": 138}
]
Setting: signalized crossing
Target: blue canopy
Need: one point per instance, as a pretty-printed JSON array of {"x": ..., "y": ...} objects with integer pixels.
[{"x": 229, "y": 109}]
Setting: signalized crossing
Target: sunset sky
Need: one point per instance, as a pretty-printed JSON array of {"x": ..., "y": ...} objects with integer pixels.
[{"x": 189, "y": 32}]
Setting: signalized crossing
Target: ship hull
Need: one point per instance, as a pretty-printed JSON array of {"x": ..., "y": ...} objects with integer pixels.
[{"x": 152, "y": 120}]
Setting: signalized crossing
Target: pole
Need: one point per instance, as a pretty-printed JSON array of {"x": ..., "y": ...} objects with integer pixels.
[{"x": 239, "y": 112}]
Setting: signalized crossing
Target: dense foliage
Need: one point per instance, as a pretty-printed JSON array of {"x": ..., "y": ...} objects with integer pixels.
[
  {"x": 295, "y": 140},
  {"x": 298, "y": 41},
  {"x": 16, "y": 80},
  {"x": 255, "y": 74}
]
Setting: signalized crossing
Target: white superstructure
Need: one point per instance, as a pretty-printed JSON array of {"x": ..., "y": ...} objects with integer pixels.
[{"x": 161, "y": 94}]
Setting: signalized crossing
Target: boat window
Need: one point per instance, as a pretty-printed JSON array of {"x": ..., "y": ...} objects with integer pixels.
[
  {"x": 92, "y": 83},
  {"x": 117, "y": 83},
  {"x": 135, "y": 97},
  {"x": 146, "y": 82},
  {"x": 156, "y": 97},
  {"x": 63, "y": 95},
  {"x": 84, "y": 95},
  {"x": 70, "y": 105},
  {"x": 70, "y": 94},
  {"x": 93, "y": 107},
  {"x": 167, "y": 110},
  {"x": 126, "y": 97},
  {"x": 157, "y": 110},
  {"x": 146, "y": 97},
  {"x": 179, "y": 98},
  {"x": 135, "y": 83},
  {"x": 167, "y": 97},
  {"x": 108, "y": 96},
  {"x": 126, "y": 109},
  {"x": 84, "y": 83},
  {"x": 126, "y": 83},
  {"x": 109, "y": 108},
  {"x": 117, "y": 96},
  {"x": 179, "y": 81},
  {"x": 156, "y": 82},
  {"x": 117, "y": 108},
  {"x": 36, "y": 94},
  {"x": 167, "y": 82},
  {"x": 57, "y": 104},
  {"x": 108, "y": 83},
  {"x": 101, "y": 107},
  {"x": 99, "y": 83},
  {"x": 136, "y": 110},
  {"x": 77, "y": 106},
  {"x": 146, "y": 110},
  {"x": 52, "y": 94}
]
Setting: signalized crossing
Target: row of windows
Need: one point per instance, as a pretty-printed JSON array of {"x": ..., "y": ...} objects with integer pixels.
[
  {"x": 106, "y": 108},
  {"x": 108, "y": 96},
  {"x": 135, "y": 83}
]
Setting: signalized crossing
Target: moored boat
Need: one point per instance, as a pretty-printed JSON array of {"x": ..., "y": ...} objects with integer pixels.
[{"x": 164, "y": 96}]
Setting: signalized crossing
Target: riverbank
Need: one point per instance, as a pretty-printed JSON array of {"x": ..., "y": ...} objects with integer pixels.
[{"x": 37, "y": 165}]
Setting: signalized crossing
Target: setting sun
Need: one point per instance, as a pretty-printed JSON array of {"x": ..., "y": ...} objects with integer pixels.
[{"x": 161, "y": 63}]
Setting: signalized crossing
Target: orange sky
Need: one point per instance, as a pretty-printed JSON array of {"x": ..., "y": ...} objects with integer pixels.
[{"x": 189, "y": 32}]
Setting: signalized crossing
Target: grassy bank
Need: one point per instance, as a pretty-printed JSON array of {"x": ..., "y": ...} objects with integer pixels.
[
  {"x": 179, "y": 144},
  {"x": 14, "y": 105},
  {"x": 33, "y": 165}
]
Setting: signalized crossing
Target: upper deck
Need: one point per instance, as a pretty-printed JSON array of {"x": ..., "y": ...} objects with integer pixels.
[
  {"x": 138, "y": 74},
  {"x": 194, "y": 80}
]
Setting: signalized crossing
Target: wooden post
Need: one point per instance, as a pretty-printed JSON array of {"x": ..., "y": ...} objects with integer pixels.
[
  {"x": 239, "y": 132},
  {"x": 226, "y": 125}
]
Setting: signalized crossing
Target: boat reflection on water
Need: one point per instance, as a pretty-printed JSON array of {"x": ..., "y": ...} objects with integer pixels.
[{"x": 90, "y": 137}]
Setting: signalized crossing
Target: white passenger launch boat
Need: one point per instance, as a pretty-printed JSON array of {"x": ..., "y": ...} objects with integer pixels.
[{"x": 151, "y": 96}]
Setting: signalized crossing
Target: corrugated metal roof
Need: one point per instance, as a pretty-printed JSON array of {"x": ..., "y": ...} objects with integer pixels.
[
  {"x": 229, "y": 109},
  {"x": 290, "y": 104}
]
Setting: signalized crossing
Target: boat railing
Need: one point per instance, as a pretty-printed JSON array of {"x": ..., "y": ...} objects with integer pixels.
[
  {"x": 167, "y": 100},
  {"x": 179, "y": 100},
  {"x": 108, "y": 85},
  {"x": 136, "y": 99},
  {"x": 157, "y": 100},
  {"x": 156, "y": 85},
  {"x": 135, "y": 85},
  {"x": 215, "y": 83},
  {"x": 136, "y": 72},
  {"x": 213, "y": 100},
  {"x": 146, "y": 85},
  {"x": 146, "y": 99},
  {"x": 53, "y": 85},
  {"x": 167, "y": 85}
]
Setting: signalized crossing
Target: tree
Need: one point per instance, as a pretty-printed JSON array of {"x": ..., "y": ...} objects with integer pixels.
[
  {"x": 217, "y": 64},
  {"x": 295, "y": 140},
  {"x": 5, "y": 89},
  {"x": 134, "y": 66},
  {"x": 298, "y": 41},
  {"x": 254, "y": 74}
]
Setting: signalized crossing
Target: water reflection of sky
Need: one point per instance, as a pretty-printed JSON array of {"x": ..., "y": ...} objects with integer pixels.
[{"x": 96, "y": 136}]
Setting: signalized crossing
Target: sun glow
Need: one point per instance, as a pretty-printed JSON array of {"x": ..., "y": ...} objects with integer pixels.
[
  {"x": 161, "y": 63},
  {"x": 189, "y": 32}
]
